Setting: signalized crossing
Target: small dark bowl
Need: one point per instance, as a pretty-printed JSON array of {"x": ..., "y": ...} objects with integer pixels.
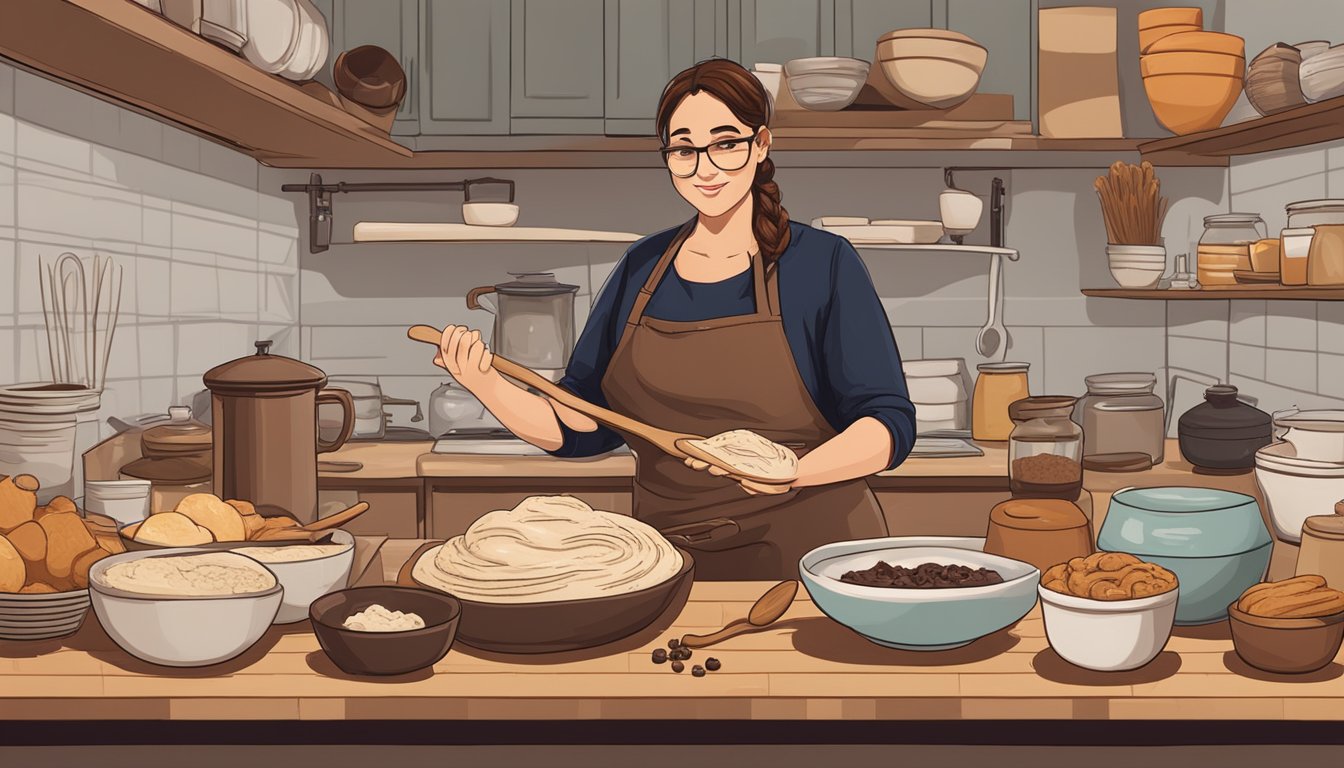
[
  {"x": 371, "y": 76},
  {"x": 385, "y": 653},
  {"x": 1286, "y": 646}
]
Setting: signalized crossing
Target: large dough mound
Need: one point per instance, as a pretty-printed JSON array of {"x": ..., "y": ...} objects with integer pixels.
[
  {"x": 549, "y": 548},
  {"x": 751, "y": 454}
]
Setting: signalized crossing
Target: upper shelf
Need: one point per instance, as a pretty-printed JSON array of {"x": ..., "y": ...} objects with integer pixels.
[
  {"x": 1297, "y": 127},
  {"x": 419, "y": 232},
  {"x": 1276, "y": 292}
]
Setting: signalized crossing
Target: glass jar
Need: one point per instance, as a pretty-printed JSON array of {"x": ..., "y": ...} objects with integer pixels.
[
  {"x": 1225, "y": 246},
  {"x": 1120, "y": 414},
  {"x": 1322, "y": 551},
  {"x": 1232, "y": 229},
  {"x": 1045, "y": 450},
  {"x": 997, "y": 386}
]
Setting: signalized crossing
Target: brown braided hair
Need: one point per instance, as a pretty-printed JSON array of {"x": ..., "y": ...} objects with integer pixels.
[{"x": 745, "y": 97}]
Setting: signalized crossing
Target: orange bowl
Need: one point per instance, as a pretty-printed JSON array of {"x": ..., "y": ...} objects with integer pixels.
[
  {"x": 1209, "y": 42},
  {"x": 1159, "y": 17},
  {"x": 1187, "y": 103},
  {"x": 1191, "y": 63},
  {"x": 1152, "y": 34}
]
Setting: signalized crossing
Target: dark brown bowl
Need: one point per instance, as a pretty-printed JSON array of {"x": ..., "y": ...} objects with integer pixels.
[
  {"x": 386, "y": 653},
  {"x": 565, "y": 625},
  {"x": 1286, "y": 646},
  {"x": 371, "y": 76}
]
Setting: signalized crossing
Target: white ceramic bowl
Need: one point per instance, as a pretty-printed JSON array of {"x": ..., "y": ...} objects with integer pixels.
[
  {"x": 918, "y": 619},
  {"x": 1136, "y": 277},
  {"x": 1137, "y": 252},
  {"x": 490, "y": 214},
  {"x": 178, "y": 631},
  {"x": 1108, "y": 635},
  {"x": 825, "y": 83},
  {"x": 126, "y": 501},
  {"x": 1315, "y": 435},
  {"x": 813, "y": 64},
  {"x": 1296, "y": 489},
  {"x": 959, "y": 210},
  {"x": 306, "y": 580},
  {"x": 1310, "y": 49}
]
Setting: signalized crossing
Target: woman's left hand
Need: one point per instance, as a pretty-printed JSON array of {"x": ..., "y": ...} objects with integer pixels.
[{"x": 753, "y": 487}]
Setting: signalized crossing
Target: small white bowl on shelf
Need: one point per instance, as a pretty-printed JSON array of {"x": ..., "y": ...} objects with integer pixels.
[
  {"x": 490, "y": 214},
  {"x": 826, "y": 83}
]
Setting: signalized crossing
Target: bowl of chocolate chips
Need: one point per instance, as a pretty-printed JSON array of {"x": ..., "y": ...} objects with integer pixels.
[{"x": 924, "y": 593}]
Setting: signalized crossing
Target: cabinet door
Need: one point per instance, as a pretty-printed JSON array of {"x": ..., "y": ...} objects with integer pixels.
[
  {"x": 464, "y": 66},
  {"x": 775, "y": 31},
  {"x": 647, "y": 42},
  {"x": 393, "y": 26},
  {"x": 557, "y": 66},
  {"x": 858, "y": 23},
  {"x": 1004, "y": 27}
]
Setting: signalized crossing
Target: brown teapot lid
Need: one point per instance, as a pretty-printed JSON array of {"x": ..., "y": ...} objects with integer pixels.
[
  {"x": 263, "y": 372},
  {"x": 181, "y": 435},
  {"x": 1037, "y": 515}
]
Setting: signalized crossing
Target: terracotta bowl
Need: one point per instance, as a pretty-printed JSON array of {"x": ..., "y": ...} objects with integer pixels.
[
  {"x": 1188, "y": 103},
  {"x": 1151, "y": 35},
  {"x": 386, "y": 653},
  {"x": 1159, "y": 17},
  {"x": 1192, "y": 63},
  {"x": 370, "y": 76},
  {"x": 1286, "y": 646},
  {"x": 1205, "y": 42}
]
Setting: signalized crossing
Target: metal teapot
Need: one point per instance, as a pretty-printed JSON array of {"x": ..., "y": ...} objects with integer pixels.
[{"x": 534, "y": 319}]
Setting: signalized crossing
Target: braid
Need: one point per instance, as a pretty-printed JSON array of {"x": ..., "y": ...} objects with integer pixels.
[{"x": 770, "y": 224}]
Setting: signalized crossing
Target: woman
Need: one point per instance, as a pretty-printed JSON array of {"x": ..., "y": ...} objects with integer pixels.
[{"x": 738, "y": 319}]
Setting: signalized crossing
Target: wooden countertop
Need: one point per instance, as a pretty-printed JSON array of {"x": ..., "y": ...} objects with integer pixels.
[{"x": 805, "y": 668}]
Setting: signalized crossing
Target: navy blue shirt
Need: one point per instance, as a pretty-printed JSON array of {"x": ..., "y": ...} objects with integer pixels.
[{"x": 834, "y": 322}]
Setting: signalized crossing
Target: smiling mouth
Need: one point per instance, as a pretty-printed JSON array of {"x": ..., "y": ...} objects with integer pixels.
[{"x": 710, "y": 189}]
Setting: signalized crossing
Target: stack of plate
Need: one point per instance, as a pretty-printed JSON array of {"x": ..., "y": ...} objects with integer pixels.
[
  {"x": 42, "y": 616},
  {"x": 1272, "y": 80},
  {"x": 1322, "y": 76},
  {"x": 826, "y": 83}
]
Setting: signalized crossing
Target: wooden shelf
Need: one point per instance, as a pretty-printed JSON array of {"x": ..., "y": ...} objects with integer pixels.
[
  {"x": 121, "y": 50},
  {"x": 1297, "y": 127},
  {"x": 413, "y": 232},
  {"x": 990, "y": 250},
  {"x": 1276, "y": 292}
]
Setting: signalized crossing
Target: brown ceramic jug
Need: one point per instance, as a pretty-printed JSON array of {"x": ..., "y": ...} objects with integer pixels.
[{"x": 264, "y": 413}]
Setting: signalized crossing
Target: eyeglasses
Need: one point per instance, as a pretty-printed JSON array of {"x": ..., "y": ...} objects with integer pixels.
[{"x": 726, "y": 155}]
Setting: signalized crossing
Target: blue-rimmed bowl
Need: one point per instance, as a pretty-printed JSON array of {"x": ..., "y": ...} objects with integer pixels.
[
  {"x": 1215, "y": 541},
  {"x": 918, "y": 619}
]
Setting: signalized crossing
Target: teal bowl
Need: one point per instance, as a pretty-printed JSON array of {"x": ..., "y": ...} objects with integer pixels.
[
  {"x": 1215, "y": 542},
  {"x": 918, "y": 619}
]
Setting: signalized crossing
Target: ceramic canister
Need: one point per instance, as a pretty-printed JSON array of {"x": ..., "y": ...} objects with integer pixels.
[{"x": 1215, "y": 542}]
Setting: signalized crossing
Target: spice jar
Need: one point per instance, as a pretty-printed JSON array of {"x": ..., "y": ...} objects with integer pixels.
[
  {"x": 1322, "y": 549},
  {"x": 1120, "y": 414},
  {"x": 997, "y": 386},
  {"x": 1221, "y": 435},
  {"x": 1045, "y": 449}
]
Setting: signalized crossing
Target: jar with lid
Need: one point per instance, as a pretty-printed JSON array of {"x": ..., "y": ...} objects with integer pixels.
[
  {"x": 997, "y": 386},
  {"x": 1225, "y": 246},
  {"x": 1121, "y": 415},
  {"x": 1045, "y": 448},
  {"x": 1233, "y": 229},
  {"x": 1322, "y": 551},
  {"x": 1221, "y": 435},
  {"x": 175, "y": 458}
]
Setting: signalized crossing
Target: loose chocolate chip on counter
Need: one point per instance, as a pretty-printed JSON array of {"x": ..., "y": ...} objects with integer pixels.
[
  {"x": 677, "y": 666},
  {"x": 674, "y": 643},
  {"x": 698, "y": 671},
  {"x": 659, "y": 656},
  {"x": 712, "y": 664}
]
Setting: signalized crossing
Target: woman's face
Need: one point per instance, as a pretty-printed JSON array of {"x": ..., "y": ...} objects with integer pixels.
[{"x": 702, "y": 120}]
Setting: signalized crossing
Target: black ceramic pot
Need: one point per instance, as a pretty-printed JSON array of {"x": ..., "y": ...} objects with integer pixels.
[{"x": 1222, "y": 434}]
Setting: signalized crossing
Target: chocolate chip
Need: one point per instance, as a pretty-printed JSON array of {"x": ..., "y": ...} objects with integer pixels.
[
  {"x": 677, "y": 666},
  {"x": 673, "y": 643},
  {"x": 698, "y": 671},
  {"x": 712, "y": 664},
  {"x": 659, "y": 656}
]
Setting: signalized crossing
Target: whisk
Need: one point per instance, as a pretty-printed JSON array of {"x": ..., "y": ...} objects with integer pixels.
[{"x": 81, "y": 323}]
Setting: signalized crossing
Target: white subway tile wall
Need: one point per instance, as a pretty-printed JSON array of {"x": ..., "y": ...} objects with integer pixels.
[{"x": 178, "y": 213}]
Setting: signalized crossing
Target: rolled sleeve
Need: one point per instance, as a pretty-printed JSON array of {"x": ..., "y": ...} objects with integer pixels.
[{"x": 861, "y": 368}]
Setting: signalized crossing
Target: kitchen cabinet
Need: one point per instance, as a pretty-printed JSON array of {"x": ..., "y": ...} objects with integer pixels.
[
  {"x": 858, "y": 23},
  {"x": 394, "y": 26},
  {"x": 647, "y": 42},
  {"x": 396, "y": 506},
  {"x": 557, "y": 71},
  {"x": 775, "y": 31},
  {"x": 1006, "y": 29},
  {"x": 463, "y": 83}
]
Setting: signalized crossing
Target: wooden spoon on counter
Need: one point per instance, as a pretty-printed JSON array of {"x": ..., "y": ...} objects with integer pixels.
[
  {"x": 678, "y": 444},
  {"x": 766, "y": 611}
]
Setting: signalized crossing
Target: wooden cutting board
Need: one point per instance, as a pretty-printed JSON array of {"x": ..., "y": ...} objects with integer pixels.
[{"x": 1078, "y": 84}]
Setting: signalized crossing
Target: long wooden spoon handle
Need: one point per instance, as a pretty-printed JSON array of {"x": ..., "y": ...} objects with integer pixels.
[
  {"x": 338, "y": 519},
  {"x": 732, "y": 630},
  {"x": 663, "y": 439}
]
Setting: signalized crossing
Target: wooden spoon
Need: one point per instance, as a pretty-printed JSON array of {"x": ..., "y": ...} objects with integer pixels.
[
  {"x": 766, "y": 611},
  {"x": 338, "y": 519}
]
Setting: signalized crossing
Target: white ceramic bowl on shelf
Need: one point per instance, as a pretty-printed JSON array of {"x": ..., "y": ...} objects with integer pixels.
[
  {"x": 1108, "y": 635},
  {"x": 490, "y": 214},
  {"x": 1322, "y": 76},
  {"x": 826, "y": 83},
  {"x": 1136, "y": 277}
]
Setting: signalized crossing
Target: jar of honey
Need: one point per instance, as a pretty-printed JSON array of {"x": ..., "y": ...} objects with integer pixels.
[{"x": 997, "y": 386}]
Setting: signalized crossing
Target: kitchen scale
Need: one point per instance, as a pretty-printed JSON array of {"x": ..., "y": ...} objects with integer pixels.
[{"x": 490, "y": 441}]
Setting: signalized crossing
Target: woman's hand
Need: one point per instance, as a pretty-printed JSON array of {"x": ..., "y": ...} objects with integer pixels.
[
  {"x": 753, "y": 487},
  {"x": 465, "y": 356}
]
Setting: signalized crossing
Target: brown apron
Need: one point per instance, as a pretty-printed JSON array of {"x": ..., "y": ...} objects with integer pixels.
[{"x": 708, "y": 377}]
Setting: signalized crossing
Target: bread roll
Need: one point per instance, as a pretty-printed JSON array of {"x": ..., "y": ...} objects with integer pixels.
[
  {"x": 245, "y": 508},
  {"x": 13, "y": 572},
  {"x": 31, "y": 542},
  {"x": 18, "y": 501},
  {"x": 67, "y": 538},
  {"x": 172, "y": 529},
  {"x": 223, "y": 521}
]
